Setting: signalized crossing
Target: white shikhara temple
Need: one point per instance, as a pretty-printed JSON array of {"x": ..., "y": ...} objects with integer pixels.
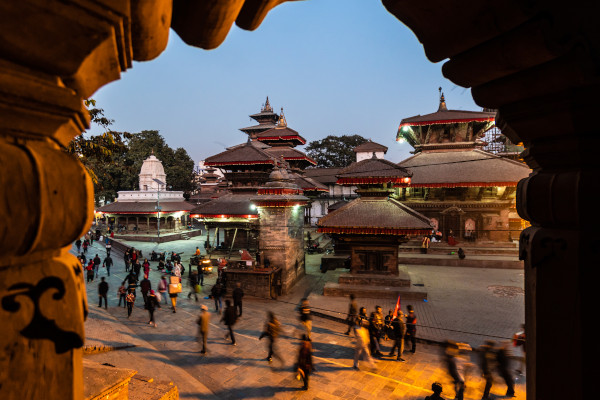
[{"x": 139, "y": 210}]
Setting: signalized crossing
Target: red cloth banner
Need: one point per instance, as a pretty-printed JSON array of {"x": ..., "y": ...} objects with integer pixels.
[{"x": 397, "y": 308}]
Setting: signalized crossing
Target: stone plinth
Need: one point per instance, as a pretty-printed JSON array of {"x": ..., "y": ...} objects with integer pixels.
[{"x": 258, "y": 283}]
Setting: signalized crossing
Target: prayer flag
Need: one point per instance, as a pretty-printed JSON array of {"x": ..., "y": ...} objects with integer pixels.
[{"x": 397, "y": 309}]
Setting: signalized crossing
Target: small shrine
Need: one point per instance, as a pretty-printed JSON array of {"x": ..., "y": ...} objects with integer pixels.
[
  {"x": 370, "y": 228},
  {"x": 151, "y": 210}
]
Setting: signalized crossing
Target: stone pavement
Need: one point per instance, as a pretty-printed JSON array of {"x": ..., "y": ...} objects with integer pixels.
[{"x": 469, "y": 301}]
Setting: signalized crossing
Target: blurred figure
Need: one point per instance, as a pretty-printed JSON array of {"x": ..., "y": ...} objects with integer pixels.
[
  {"x": 436, "y": 387},
  {"x": 411, "y": 328},
  {"x": 271, "y": 331},
  {"x": 122, "y": 292},
  {"x": 102, "y": 292},
  {"x": 237, "y": 295},
  {"x": 502, "y": 358},
  {"x": 519, "y": 342},
  {"x": 215, "y": 292},
  {"x": 145, "y": 287},
  {"x": 361, "y": 349},
  {"x": 487, "y": 358},
  {"x": 461, "y": 253},
  {"x": 108, "y": 262},
  {"x": 425, "y": 244},
  {"x": 352, "y": 310},
  {"x": 375, "y": 328},
  {"x": 130, "y": 299},
  {"x": 173, "y": 295},
  {"x": 229, "y": 318},
  {"x": 451, "y": 359},
  {"x": 193, "y": 280},
  {"x": 305, "y": 317},
  {"x": 162, "y": 287},
  {"x": 399, "y": 330},
  {"x": 305, "y": 363},
  {"x": 203, "y": 324},
  {"x": 151, "y": 304},
  {"x": 362, "y": 318},
  {"x": 90, "y": 271},
  {"x": 387, "y": 325}
]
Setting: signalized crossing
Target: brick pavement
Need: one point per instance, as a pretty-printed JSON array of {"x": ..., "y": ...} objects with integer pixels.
[{"x": 241, "y": 372}]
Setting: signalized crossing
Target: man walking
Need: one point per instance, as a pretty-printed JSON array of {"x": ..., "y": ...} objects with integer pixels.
[
  {"x": 487, "y": 357},
  {"x": 193, "y": 279},
  {"x": 305, "y": 317},
  {"x": 203, "y": 323},
  {"x": 272, "y": 330},
  {"x": 97, "y": 262},
  {"x": 215, "y": 292},
  {"x": 145, "y": 287},
  {"x": 108, "y": 246},
  {"x": 102, "y": 291},
  {"x": 375, "y": 327},
  {"x": 229, "y": 318},
  {"x": 237, "y": 295},
  {"x": 127, "y": 260},
  {"x": 78, "y": 244},
  {"x": 411, "y": 328},
  {"x": 352, "y": 314},
  {"x": 108, "y": 262},
  {"x": 361, "y": 349},
  {"x": 502, "y": 358},
  {"x": 399, "y": 329}
]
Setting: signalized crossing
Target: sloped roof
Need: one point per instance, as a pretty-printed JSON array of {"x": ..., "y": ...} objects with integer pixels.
[
  {"x": 373, "y": 168},
  {"x": 228, "y": 205},
  {"x": 378, "y": 214},
  {"x": 259, "y": 127},
  {"x": 289, "y": 153},
  {"x": 447, "y": 117},
  {"x": 308, "y": 184},
  {"x": 281, "y": 133},
  {"x": 463, "y": 168},
  {"x": 145, "y": 207},
  {"x": 370, "y": 146},
  {"x": 240, "y": 155},
  {"x": 324, "y": 175}
]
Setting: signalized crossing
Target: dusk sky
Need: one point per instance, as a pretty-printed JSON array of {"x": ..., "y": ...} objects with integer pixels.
[{"x": 359, "y": 71}]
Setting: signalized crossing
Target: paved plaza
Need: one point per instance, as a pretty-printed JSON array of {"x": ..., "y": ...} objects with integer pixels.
[{"x": 464, "y": 304}]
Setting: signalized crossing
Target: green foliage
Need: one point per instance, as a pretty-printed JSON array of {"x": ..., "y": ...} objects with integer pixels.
[
  {"x": 114, "y": 159},
  {"x": 334, "y": 151}
]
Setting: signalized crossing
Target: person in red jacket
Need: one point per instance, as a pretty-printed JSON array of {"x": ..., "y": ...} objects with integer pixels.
[{"x": 411, "y": 328}]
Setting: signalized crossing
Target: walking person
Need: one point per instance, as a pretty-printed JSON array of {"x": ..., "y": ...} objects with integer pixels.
[
  {"x": 399, "y": 330},
  {"x": 375, "y": 328},
  {"x": 85, "y": 245},
  {"x": 174, "y": 289},
  {"x": 203, "y": 324},
  {"x": 237, "y": 295},
  {"x": 151, "y": 304},
  {"x": 450, "y": 358},
  {"x": 519, "y": 342},
  {"x": 411, "y": 328},
  {"x": 146, "y": 266},
  {"x": 201, "y": 274},
  {"x": 487, "y": 358},
  {"x": 162, "y": 287},
  {"x": 272, "y": 331},
  {"x": 122, "y": 293},
  {"x": 90, "y": 271},
  {"x": 361, "y": 346},
  {"x": 352, "y": 313},
  {"x": 305, "y": 362},
  {"x": 305, "y": 317},
  {"x": 145, "y": 287},
  {"x": 215, "y": 292},
  {"x": 503, "y": 361},
  {"x": 127, "y": 260},
  {"x": 108, "y": 246},
  {"x": 102, "y": 292},
  {"x": 136, "y": 268},
  {"x": 193, "y": 279},
  {"x": 108, "y": 262},
  {"x": 229, "y": 318},
  {"x": 425, "y": 244},
  {"x": 78, "y": 245},
  {"x": 97, "y": 262},
  {"x": 130, "y": 299}
]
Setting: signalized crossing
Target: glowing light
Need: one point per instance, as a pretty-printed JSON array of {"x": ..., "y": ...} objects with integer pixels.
[
  {"x": 405, "y": 129},
  {"x": 252, "y": 207}
]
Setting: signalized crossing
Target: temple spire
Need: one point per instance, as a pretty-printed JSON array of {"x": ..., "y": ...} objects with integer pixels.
[
  {"x": 282, "y": 122},
  {"x": 442, "y": 106},
  {"x": 267, "y": 107}
]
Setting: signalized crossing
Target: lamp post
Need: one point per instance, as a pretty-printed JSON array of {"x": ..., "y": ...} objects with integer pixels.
[{"x": 158, "y": 208}]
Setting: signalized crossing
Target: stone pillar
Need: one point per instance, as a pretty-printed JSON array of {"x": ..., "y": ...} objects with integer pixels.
[{"x": 280, "y": 206}]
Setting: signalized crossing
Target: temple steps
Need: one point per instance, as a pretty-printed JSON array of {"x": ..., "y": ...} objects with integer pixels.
[
  {"x": 374, "y": 291},
  {"x": 472, "y": 261},
  {"x": 379, "y": 280},
  {"x": 507, "y": 251}
]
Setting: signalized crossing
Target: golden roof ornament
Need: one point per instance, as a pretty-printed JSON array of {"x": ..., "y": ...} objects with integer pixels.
[
  {"x": 442, "y": 106},
  {"x": 267, "y": 107},
  {"x": 282, "y": 122}
]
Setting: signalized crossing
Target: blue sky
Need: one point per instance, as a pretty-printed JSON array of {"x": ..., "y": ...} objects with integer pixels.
[{"x": 355, "y": 71}]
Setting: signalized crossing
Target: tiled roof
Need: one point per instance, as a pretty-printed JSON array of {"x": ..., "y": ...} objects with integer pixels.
[
  {"x": 324, "y": 175},
  {"x": 373, "y": 168},
  {"x": 370, "y": 146},
  {"x": 471, "y": 166},
  {"x": 308, "y": 184},
  {"x": 383, "y": 213},
  {"x": 448, "y": 116},
  {"x": 229, "y": 204},
  {"x": 280, "y": 132},
  {"x": 289, "y": 153},
  {"x": 259, "y": 127},
  {"x": 145, "y": 207},
  {"x": 247, "y": 153}
]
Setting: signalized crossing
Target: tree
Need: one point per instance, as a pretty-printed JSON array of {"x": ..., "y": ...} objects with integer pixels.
[{"x": 334, "y": 151}]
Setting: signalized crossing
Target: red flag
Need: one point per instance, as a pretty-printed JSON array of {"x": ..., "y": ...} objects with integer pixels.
[{"x": 397, "y": 309}]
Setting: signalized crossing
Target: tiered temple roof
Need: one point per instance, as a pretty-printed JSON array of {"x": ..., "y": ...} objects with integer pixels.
[
  {"x": 370, "y": 146},
  {"x": 373, "y": 171},
  {"x": 266, "y": 119}
]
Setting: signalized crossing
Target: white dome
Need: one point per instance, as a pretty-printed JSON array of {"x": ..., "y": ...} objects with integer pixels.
[{"x": 152, "y": 169}]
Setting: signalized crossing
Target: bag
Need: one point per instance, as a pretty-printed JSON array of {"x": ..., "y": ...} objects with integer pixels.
[
  {"x": 197, "y": 289},
  {"x": 158, "y": 296},
  {"x": 175, "y": 288},
  {"x": 174, "y": 279}
]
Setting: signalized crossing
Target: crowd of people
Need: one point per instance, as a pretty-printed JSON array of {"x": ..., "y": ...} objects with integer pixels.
[{"x": 368, "y": 329}]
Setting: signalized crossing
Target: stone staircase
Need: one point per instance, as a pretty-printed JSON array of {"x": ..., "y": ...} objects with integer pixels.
[{"x": 106, "y": 382}]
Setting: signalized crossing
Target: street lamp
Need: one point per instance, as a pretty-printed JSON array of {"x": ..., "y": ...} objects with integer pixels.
[{"x": 158, "y": 207}]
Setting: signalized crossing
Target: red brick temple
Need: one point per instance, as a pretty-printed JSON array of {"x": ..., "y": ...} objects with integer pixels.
[
  {"x": 461, "y": 188},
  {"x": 370, "y": 228}
]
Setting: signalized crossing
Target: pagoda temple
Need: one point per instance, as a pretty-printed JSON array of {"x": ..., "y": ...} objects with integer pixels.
[
  {"x": 247, "y": 167},
  {"x": 370, "y": 228},
  {"x": 466, "y": 192},
  {"x": 153, "y": 209}
]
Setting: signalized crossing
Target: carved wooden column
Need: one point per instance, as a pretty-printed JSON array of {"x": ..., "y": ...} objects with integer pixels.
[{"x": 53, "y": 54}]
